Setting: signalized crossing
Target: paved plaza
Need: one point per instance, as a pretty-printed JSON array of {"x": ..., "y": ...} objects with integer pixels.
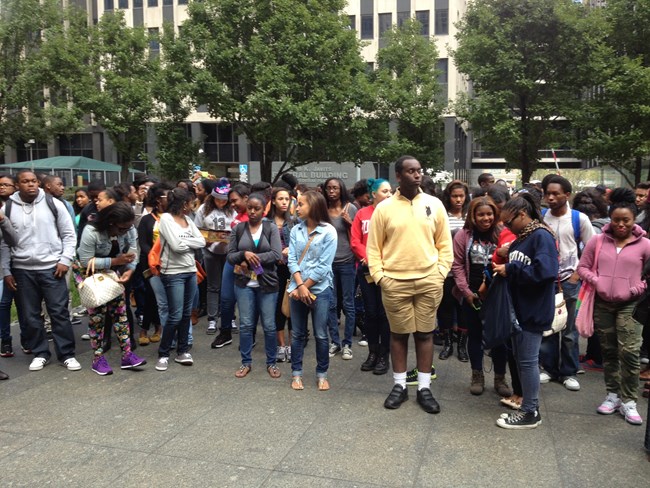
[{"x": 201, "y": 426}]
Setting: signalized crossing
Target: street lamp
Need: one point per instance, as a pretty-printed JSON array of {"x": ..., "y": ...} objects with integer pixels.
[{"x": 30, "y": 145}]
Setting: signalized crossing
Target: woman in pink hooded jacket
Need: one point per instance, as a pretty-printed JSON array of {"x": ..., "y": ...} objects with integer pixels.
[{"x": 617, "y": 276}]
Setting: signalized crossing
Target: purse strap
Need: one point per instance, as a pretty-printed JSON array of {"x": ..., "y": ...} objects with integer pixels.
[
  {"x": 90, "y": 269},
  {"x": 304, "y": 251},
  {"x": 599, "y": 244}
]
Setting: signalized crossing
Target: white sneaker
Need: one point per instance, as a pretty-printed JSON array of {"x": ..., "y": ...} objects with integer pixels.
[
  {"x": 544, "y": 377},
  {"x": 85, "y": 337},
  {"x": 212, "y": 327},
  {"x": 72, "y": 364},
  {"x": 162, "y": 364},
  {"x": 610, "y": 405},
  {"x": 281, "y": 354},
  {"x": 628, "y": 410},
  {"x": 233, "y": 326},
  {"x": 571, "y": 384},
  {"x": 38, "y": 363},
  {"x": 185, "y": 358},
  {"x": 363, "y": 342},
  {"x": 347, "y": 352}
]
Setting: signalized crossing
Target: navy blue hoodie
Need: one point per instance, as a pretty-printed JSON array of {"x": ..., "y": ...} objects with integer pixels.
[{"x": 532, "y": 273}]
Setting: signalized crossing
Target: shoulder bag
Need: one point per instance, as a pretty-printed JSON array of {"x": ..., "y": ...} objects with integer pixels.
[
  {"x": 99, "y": 287},
  {"x": 286, "y": 308},
  {"x": 586, "y": 297}
]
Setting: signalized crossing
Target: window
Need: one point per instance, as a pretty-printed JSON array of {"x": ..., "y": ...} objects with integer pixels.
[
  {"x": 367, "y": 27},
  {"x": 168, "y": 2},
  {"x": 108, "y": 5},
  {"x": 182, "y": 2},
  {"x": 402, "y": 17},
  {"x": 370, "y": 67},
  {"x": 385, "y": 22},
  {"x": 422, "y": 16},
  {"x": 137, "y": 3},
  {"x": 30, "y": 152},
  {"x": 154, "y": 42},
  {"x": 353, "y": 22},
  {"x": 442, "y": 66},
  {"x": 442, "y": 18},
  {"x": 123, "y": 4},
  {"x": 76, "y": 145},
  {"x": 221, "y": 143},
  {"x": 152, "y": 3}
]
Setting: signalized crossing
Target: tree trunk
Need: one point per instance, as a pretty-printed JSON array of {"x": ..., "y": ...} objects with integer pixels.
[
  {"x": 638, "y": 162},
  {"x": 266, "y": 168}
]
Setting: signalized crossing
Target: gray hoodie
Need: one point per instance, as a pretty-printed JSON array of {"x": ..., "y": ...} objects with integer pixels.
[{"x": 43, "y": 242}]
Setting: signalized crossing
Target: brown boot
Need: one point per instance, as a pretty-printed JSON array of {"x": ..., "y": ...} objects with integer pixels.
[
  {"x": 645, "y": 375},
  {"x": 478, "y": 383},
  {"x": 501, "y": 386}
]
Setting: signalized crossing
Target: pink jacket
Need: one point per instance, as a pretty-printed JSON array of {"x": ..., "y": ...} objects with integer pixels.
[{"x": 618, "y": 276}]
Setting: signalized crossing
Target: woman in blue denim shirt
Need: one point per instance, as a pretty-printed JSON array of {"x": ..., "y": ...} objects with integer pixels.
[
  {"x": 311, "y": 283},
  {"x": 111, "y": 240}
]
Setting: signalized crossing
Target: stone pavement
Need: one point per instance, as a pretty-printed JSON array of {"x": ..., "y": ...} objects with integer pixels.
[{"x": 201, "y": 426}]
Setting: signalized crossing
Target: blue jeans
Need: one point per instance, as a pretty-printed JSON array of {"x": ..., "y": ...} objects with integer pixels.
[
  {"x": 299, "y": 315},
  {"x": 472, "y": 322},
  {"x": 344, "y": 277},
  {"x": 526, "y": 348},
  {"x": 180, "y": 289},
  {"x": 559, "y": 352},
  {"x": 254, "y": 303},
  {"x": 33, "y": 288},
  {"x": 161, "y": 298},
  {"x": 228, "y": 299}
]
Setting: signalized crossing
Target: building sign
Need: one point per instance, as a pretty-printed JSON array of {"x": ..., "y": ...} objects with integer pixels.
[{"x": 314, "y": 174}]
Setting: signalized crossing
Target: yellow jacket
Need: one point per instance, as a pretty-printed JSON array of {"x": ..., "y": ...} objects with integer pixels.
[{"x": 408, "y": 239}]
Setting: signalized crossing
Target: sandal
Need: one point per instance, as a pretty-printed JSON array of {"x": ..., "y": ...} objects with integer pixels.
[
  {"x": 323, "y": 384},
  {"x": 242, "y": 371},
  {"x": 273, "y": 370},
  {"x": 296, "y": 383}
]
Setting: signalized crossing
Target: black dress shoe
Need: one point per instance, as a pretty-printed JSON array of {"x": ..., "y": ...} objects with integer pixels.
[
  {"x": 3, "y": 376},
  {"x": 427, "y": 402},
  {"x": 398, "y": 395}
]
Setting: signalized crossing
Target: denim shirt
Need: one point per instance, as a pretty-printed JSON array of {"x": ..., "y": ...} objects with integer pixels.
[
  {"x": 317, "y": 263},
  {"x": 95, "y": 244}
]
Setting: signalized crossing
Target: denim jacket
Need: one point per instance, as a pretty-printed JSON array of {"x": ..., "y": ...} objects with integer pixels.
[
  {"x": 95, "y": 244},
  {"x": 317, "y": 263}
]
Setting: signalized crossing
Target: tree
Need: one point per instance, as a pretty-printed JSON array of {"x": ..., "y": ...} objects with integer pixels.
[
  {"x": 408, "y": 94},
  {"x": 528, "y": 61},
  {"x": 616, "y": 118},
  {"x": 111, "y": 76},
  {"x": 286, "y": 73},
  {"x": 30, "y": 103}
]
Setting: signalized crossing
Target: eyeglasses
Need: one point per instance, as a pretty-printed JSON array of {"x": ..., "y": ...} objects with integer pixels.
[
  {"x": 6, "y": 185},
  {"x": 508, "y": 224}
]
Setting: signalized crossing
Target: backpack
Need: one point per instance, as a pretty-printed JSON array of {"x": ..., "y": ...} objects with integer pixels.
[{"x": 575, "y": 222}]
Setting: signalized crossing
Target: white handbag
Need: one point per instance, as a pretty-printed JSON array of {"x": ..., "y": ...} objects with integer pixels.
[
  {"x": 560, "y": 313},
  {"x": 99, "y": 288}
]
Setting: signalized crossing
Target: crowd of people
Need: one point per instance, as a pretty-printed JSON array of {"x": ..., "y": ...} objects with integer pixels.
[{"x": 374, "y": 263}]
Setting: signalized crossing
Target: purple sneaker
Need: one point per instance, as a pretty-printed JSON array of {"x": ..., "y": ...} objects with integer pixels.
[
  {"x": 130, "y": 360},
  {"x": 101, "y": 367}
]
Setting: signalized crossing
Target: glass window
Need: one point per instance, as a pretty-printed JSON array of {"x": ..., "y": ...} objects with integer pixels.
[
  {"x": 442, "y": 18},
  {"x": 168, "y": 2},
  {"x": 123, "y": 4},
  {"x": 76, "y": 145},
  {"x": 402, "y": 17},
  {"x": 367, "y": 27},
  {"x": 154, "y": 40},
  {"x": 137, "y": 3},
  {"x": 152, "y": 3},
  {"x": 182, "y": 2},
  {"x": 108, "y": 5},
  {"x": 443, "y": 76},
  {"x": 385, "y": 22},
  {"x": 353, "y": 21},
  {"x": 422, "y": 16}
]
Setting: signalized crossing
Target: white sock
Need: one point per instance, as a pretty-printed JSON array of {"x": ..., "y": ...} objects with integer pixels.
[
  {"x": 424, "y": 380},
  {"x": 400, "y": 379}
]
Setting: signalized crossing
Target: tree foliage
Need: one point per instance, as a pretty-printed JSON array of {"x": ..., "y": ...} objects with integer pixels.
[
  {"x": 110, "y": 76},
  {"x": 528, "y": 61},
  {"x": 286, "y": 73},
  {"x": 408, "y": 95},
  {"x": 616, "y": 117},
  {"x": 31, "y": 101}
]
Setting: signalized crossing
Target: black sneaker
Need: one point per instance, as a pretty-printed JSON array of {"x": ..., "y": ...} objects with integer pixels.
[
  {"x": 223, "y": 339},
  {"x": 397, "y": 396},
  {"x": 427, "y": 402},
  {"x": 6, "y": 350},
  {"x": 412, "y": 376},
  {"x": 520, "y": 420}
]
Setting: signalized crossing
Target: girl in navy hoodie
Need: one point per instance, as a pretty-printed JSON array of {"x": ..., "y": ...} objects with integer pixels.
[{"x": 531, "y": 272}]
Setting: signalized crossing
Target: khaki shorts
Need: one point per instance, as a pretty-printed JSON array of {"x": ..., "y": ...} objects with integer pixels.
[{"x": 411, "y": 305}]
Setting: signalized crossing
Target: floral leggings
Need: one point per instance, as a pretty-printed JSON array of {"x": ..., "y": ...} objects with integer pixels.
[{"x": 116, "y": 308}]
